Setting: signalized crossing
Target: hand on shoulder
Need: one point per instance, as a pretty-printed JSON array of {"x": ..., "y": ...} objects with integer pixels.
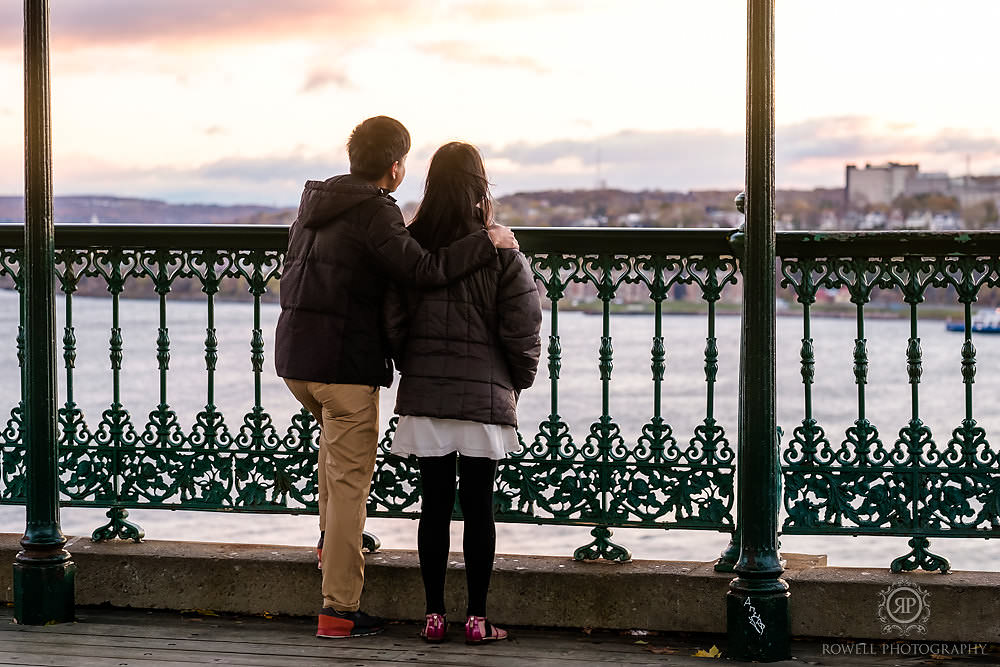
[{"x": 502, "y": 237}]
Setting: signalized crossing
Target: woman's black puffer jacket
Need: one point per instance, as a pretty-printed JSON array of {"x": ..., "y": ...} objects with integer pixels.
[{"x": 466, "y": 351}]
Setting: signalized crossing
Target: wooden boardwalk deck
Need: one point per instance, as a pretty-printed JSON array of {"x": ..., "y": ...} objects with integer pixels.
[{"x": 122, "y": 638}]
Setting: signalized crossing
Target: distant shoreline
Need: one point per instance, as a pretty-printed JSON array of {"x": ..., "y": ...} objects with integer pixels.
[{"x": 875, "y": 312}]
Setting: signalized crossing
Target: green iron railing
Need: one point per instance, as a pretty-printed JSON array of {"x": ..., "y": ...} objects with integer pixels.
[
  {"x": 909, "y": 485},
  {"x": 597, "y": 480},
  {"x": 857, "y": 485}
]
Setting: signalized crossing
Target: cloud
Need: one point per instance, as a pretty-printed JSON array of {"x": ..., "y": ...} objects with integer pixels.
[
  {"x": 81, "y": 23},
  {"x": 854, "y": 137},
  {"x": 492, "y": 11},
  {"x": 675, "y": 159},
  {"x": 272, "y": 180},
  {"x": 626, "y": 146},
  {"x": 270, "y": 169},
  {"x": 89, "y": 23},
  {"x": 468, "y": 53},
  {"x": 321, "y": 77},
  {"x": 848, "y": 138},
  {"x": 962, "y": 141},
  {"x": 809, "y": 153}
]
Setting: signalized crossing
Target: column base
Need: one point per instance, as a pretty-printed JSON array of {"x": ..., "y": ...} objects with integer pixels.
[
  {"x": 44, "y": 593},
  {"x": 730, "y": 556},
  {"x": 758, "y": 627}
]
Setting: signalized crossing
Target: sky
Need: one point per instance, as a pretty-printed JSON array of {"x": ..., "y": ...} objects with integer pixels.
[{"x": 241, "y": 101}]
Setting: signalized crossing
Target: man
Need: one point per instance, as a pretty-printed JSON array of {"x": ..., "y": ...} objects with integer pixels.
[{"x": 347, "y": 243}]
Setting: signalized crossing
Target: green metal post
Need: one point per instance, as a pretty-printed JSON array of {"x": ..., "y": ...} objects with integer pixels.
[
  {"x": 757, "y": 602},
  {"x": 43, "y": 571},
  {"x": 731, "y": 554}
]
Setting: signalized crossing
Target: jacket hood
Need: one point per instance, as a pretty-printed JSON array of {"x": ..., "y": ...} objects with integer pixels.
[{"x": 323, "y": 201}]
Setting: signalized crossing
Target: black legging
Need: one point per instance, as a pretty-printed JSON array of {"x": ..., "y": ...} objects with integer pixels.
[{"x": 475, "y": 496}]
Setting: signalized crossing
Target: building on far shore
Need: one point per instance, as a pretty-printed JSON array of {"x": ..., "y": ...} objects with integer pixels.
[
  {"x": 882, "y": 184},
  {"x": 877, "y": 184}
]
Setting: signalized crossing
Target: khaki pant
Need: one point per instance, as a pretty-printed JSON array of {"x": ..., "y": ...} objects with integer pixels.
[{"x": 348, "y": 414}]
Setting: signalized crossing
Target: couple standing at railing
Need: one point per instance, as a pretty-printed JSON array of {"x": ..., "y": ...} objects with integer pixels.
[{"x": 453, "y": 303}]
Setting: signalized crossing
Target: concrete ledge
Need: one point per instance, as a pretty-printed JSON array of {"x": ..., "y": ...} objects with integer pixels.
[
  {"x": 526, "y": 590},
  {"x": 844, "y": 602}
]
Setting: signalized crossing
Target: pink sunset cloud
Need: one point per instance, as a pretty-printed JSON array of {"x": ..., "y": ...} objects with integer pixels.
[
  {"x": 167, "y": 23},
  {"x": 83, "y": 23}
]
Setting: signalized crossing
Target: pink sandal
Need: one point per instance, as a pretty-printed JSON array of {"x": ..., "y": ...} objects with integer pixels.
[
  {"x": 479, "y": 631},
  {"x": 435, "y": 628}
]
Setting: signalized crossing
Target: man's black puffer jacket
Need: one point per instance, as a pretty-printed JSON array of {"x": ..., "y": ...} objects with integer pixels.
[
  {"x": 466, "y": 351},
  {"x": 346, "y": 244}
]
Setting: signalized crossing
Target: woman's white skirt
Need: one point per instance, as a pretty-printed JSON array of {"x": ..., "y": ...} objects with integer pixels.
[{"x": 430, "y": 436}]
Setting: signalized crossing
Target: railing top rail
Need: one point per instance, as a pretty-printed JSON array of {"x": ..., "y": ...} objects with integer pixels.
[
  {"x": 174, "y": 237},
  {"x": 574, "y": 240},
  {"x": 888, "y": 243},
  {"x": 532, "y": 239},
  {"x": 571, "y": 240}
]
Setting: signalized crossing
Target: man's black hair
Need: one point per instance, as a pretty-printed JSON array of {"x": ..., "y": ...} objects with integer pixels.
[{"x": 375, "y": 144}]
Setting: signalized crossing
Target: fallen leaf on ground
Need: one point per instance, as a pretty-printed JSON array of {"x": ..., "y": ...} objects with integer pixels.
[{"x": 713, "y": 652}]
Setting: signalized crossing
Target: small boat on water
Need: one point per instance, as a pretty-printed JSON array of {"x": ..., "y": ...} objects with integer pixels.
[{"x": 984, "y": 321}]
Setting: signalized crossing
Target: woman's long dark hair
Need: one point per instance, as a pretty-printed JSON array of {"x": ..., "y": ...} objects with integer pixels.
[{"x": 457, "y": 197}]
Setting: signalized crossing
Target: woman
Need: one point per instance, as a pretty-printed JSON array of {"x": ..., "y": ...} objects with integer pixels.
[{"x": 465, "y": 352}]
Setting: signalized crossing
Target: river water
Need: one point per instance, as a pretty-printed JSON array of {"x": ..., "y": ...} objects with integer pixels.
[{"x": 835, "y": 404}]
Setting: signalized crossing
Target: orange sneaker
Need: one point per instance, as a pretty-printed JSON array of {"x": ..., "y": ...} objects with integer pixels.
[{"x": 335, "y": 624}]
